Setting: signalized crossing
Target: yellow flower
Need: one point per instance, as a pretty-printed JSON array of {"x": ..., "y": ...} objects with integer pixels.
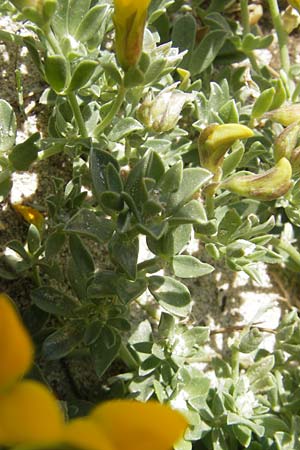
[
  {"x": 147, "y": 426},
  {"x": 30, "y": 414},
  {"x": 16, "y": 348},
  {"x": 31, "y": 215},
  {"x": 129, "y": 20}
]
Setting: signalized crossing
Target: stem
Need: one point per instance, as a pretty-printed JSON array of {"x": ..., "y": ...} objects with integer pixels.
[
  {"x": 281, "y": 34},
  {"x": 36, "y": 276},
  {"x": 235, "y": 361},
  {"x": 245, "y": 16},
  {"x": 289, "y": 249},
  {"x": 54, "y": 44},
  {"x": 77, "y": 114},
  {"x": 111, "y": 114},
  {"x": 127, "y": 358}
]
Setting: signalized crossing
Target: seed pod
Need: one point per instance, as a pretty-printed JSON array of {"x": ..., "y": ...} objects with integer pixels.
[
  {"x": 265, "y": 186},
  {"x": 215, "y": 140}
]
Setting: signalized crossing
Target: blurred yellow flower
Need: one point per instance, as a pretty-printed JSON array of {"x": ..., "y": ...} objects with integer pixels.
[
  {"x": 31, "y": 215},
  {"x": 30, "y": 414},
  {"x": 129, "y": 20},
  {"x": 16, "y": 348}
]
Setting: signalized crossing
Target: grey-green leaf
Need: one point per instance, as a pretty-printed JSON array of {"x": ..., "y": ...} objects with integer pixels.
[
  {"x": 8, "y": 126},
  {"x": 172, "y": 295}
]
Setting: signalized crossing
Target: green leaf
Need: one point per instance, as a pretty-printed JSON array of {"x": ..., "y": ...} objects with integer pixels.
[
  {"x": 54, "y": 244},
  {"x": 56, "y": 72},
  {"x": 111, "y": 201},
  {"x": 172, "y": 295},
  {"x": 263, "y": 103},
  {"x": 92, "y": 332},
  {"x": 81, "y": 255},
  {"x": 103, "y": 284},
  {"x": 193, "y": 178},
  {"x": 87, "y": 223},
  {"x": 183, "y": 37},
  {"x": 129, "y": 290},
  {"x": 105, "y": 350},
  {"x": 124, "y": 253},
  {"x": 172, "y": 179},
  {"x": 155, "y": 167},
  {"x": 23, "y": 155},
  {"x": 251, "y": 42},
  {"x": 99, "y": 160},
  {"x": 123, "y": 128},
  {"x": 63, "y": 341},
  {"x": 243, "y": 434},
  {"x": 113, "y": 180},
  {"x": 260, "y": 368},
  {"x": 8, "y": 126},
  {"x": 82, "y": 74},
  {"x": 232, "y": 161},
  {"x": 206, "y": 51},
  {"x": 233, "y": 419},
  {"x": 55, "y": 302},
  {"x": 186, "y": 266},
  {"x": 91, "y": 23},
  {"x": 76, "y": 10},
  {"x": 33, "y": 239},
  {"x": 5, "y": 183}
]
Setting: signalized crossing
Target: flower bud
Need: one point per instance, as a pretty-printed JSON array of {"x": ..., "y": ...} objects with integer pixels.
[
  {"x": 287, "y": 141},
  {"x": 162, "y": 112},
  {"x": 285, "y": 115},
  {"x": 215, "y": 140},
  {"x": 38, "y": 11},
  {"x": 129, "y": 20},
  {"x": 266, "y": 186}
]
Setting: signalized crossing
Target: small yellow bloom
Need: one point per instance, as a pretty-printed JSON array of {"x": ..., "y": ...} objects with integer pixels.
[
  {"x": 31, "y": 215},
  {"x": 16, "y": 348},
  {"x": 215, "y": 140},
  {"x": 29, "y": 414},
  {"x": 129, "y": 20},
  {"x": 132, "y": 425}
]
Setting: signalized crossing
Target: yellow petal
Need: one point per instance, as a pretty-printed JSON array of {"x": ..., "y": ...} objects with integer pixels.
[
  {"x": 86, "y": 434},
  {"x": 29, "y": 414},
  {"x": 126, "y": 8},
  {"x": 131, "y": 425},
  {"x": 31, "y": 215},
  {"x": 16, "y": 348}
]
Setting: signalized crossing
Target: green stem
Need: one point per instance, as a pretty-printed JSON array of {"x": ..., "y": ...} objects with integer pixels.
[
  {"x": 77, "y": 114},
  {"x": 127, "y": 358},
  {"x": 54, "y": 44},
  {"x": 281, "y": 35},
  {"x": 36, "y": 276},
  {"x": 111, "y": 114},
  {"x": 289, "y": 249},
  {"x": 245, "y": 16},
  {"x": 235, "y": 362}
]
